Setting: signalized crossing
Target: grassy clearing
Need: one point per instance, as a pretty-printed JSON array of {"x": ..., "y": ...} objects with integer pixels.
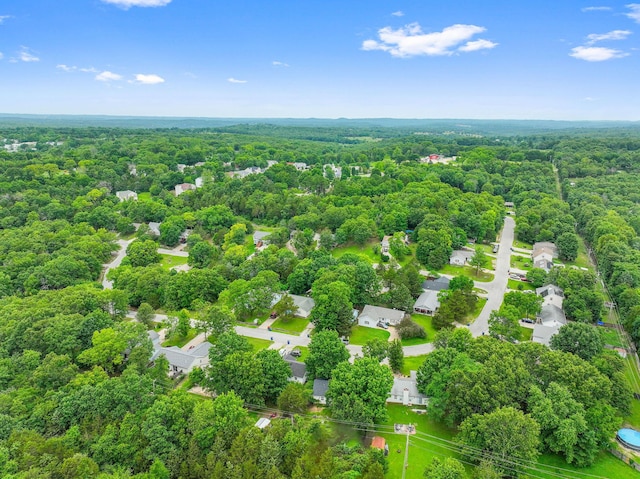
[
  {"x": 168, "y": 261},
  {"x": 582, "y": 261},
  {"x": 606, "y": 465},
  {"x": 525, "y": 333},
  {"x": 258, "y": 344},
  {"x": 293, "y": 325},
  {"x": 412, "y": 363},
  {"x": 611, "y": 337},
  {"x": 180, "y": 341},
  {"x": 426, "y": 323},
  {"x": 145, "y": 196},
  {"x": 361, "y": 334},
  {"x": 305, "y": 353},
  {"x": 421, "y": 453},
  {"x": 519, "y": 285},
  {"x": 522, "y": 244},
  {"x": 483, "y": 276},
  {"x": 633, "y": 375},
  {"x": 520, "y": 262},
  {"x": 365, "y": 251}
]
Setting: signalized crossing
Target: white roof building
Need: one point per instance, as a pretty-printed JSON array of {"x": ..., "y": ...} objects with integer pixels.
[
  {"x": 304, "y": 304},
  {"x": 182, "y": 187},
  {"x": 127, "y": 195},
  {"x": 154, "y": 228},
  {"x": 372, "y": 315}
]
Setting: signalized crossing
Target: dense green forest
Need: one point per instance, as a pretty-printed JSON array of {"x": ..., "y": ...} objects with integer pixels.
[{"x": 81, "y": 396}]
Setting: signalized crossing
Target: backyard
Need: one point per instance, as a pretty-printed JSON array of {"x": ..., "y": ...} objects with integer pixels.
[
  {"x": 412, "y": 363},
  {"x": 365, "y": 251},
  {"x": 483, "y": 276}
]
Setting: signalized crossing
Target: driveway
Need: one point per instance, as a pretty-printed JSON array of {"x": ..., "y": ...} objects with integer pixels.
[
  {"x": 122, "y": 252},
  {"x": 495, "y": 289}
]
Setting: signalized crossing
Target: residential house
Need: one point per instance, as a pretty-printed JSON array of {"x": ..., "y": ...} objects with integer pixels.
[
  {"x": 545, "y": 244},
  {"x": 384, "y": 244},
  {"x": 259, "y": 238},
  {"x": 182, "y": 187},
  {"x": 154, "y": 228},
  {"x": 378, "y": 442},
  {"x": 127, "y": 195},
  {"x": 304, "y": 304},
  {"x": 460, "y": 257},
  {"x": 371, "y": 316},
  {"x": 437, "y": 284},
  {"x": 180, "y": 167},
  {"x": 337, "y": 171},
  {"x": 320, "y": 388},
  {"x": 508, "y": 204},
  {"x": 240, "y": 174},
  {"x": 405, "y": 391},
  {"x": 543, "y": 258},
  {"x": 133, "y": 171},
  {"x": 427, "y": 303},
  {"x": 181, "y": 361},
  {"x": 298, "y": 369},
  {"x": 300, "y": 166},
  {"x": 551, "y": 317},
  {"x": 199, "y": 182}
]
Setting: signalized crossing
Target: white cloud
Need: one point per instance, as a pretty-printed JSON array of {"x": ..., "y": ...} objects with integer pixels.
[
  {"x": 477, "y": 45},
  {"x": 279, "y": 64},
  {"x": 3, "y": 18},
  {"x": 612, "y": 35},
  {"x": 589, "y": 98},
  {"x": 88, "y": 70},
  {"x": 634, "y": 14},
  {"x": 66, "y": 68},
  {"x": 596, "y": 9},
  {"x": 26, "y": 56},
  {"x": 410, "y": 40},
  {"x": 126, "y": 4},
  {"x": 596, "y": 54},
  {"x": 107, "y": 76},
  {"x": 151, "y": 79},
  {"x": 399, "y": 13},
  {"x": 233, "y": 80}
]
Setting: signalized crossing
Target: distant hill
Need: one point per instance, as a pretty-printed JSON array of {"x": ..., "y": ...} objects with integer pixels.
[{"x": 262, "y": 125}]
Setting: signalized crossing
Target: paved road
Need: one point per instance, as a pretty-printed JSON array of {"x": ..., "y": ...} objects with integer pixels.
[
  {"x": 122, "y": 252},
  {"x": 495, "y": 289}
]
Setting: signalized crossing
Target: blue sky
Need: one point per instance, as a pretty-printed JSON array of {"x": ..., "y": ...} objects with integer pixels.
[{"x": 513, "y": 59}]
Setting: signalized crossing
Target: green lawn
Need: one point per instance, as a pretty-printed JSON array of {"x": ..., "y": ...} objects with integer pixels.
[
  {"x": 519, "y": 285},
  {"x": 361, "y": 334},
  {"x": 412, "y": 363},
  {"x": 180, "y": 341},
  {"x": 582, "y": 261},
  {"x": 258, "y": 344},
  {"x": 520, "y": 262},
  {"x": 293, "y": 326},
  {"x": 522, "y": 244},
  {"x": 425, "y": 322},
  {"x": 168, "y": 261},
  {"x": 525, "y": 333},
  {"x": 365, "y": 252},
  {"x": 633, "y": 376},
  {"x": 145, "y": 196},
  {"x": 468, "y": 271},
  {"x": 606, "y": 465},
  {"x": 610, "y": 336},
  {"x": 478, "y": 309},
  {"x": 305, "y": 353},
  {"x": 421, "y": 453}
]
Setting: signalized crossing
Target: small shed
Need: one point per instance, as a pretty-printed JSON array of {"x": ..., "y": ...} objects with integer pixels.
[
  {"x": 378, "y": 442},
  {"x": 263, "y": 422},
  {"x": 320, "y": 388}
]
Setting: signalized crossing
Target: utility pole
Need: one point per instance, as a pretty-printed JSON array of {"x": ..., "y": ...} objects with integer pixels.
[{"x": 406, "y": 454}]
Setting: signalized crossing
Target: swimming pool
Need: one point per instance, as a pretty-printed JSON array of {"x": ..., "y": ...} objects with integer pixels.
[{"x": 630, "y": 438}]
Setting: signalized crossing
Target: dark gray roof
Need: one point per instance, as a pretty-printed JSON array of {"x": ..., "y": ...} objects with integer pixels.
[
  {"x": 551, "y": 314},
  {"x": 437, "y": 284},
  {"x": 298, "y": 369},
  {"x": 320, "y": 387}
]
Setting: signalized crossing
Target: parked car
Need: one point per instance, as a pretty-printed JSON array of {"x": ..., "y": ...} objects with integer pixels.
[
  {"x": 527, "y": 320},
  {"x": 383, "y": 325},
  {"x": 296, "y": 353},
  {"x": 496, "y": 247},
  {"x": 344, "y": 340}
]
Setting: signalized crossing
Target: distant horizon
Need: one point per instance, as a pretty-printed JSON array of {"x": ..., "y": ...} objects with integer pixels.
[{"x": 201, "y": 117}]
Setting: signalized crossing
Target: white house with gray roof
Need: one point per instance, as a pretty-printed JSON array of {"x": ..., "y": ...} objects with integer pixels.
[
  {"x": 427, "y": 303},
  {"x": 372, "y": 315},
  {"x": 551, "y": 317},
  {"x": 405, "y": 391},
  {"x": 127, "y": 195},
  {"x": 180, "y": 361},
  {"x": 304, "y": 303}
]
